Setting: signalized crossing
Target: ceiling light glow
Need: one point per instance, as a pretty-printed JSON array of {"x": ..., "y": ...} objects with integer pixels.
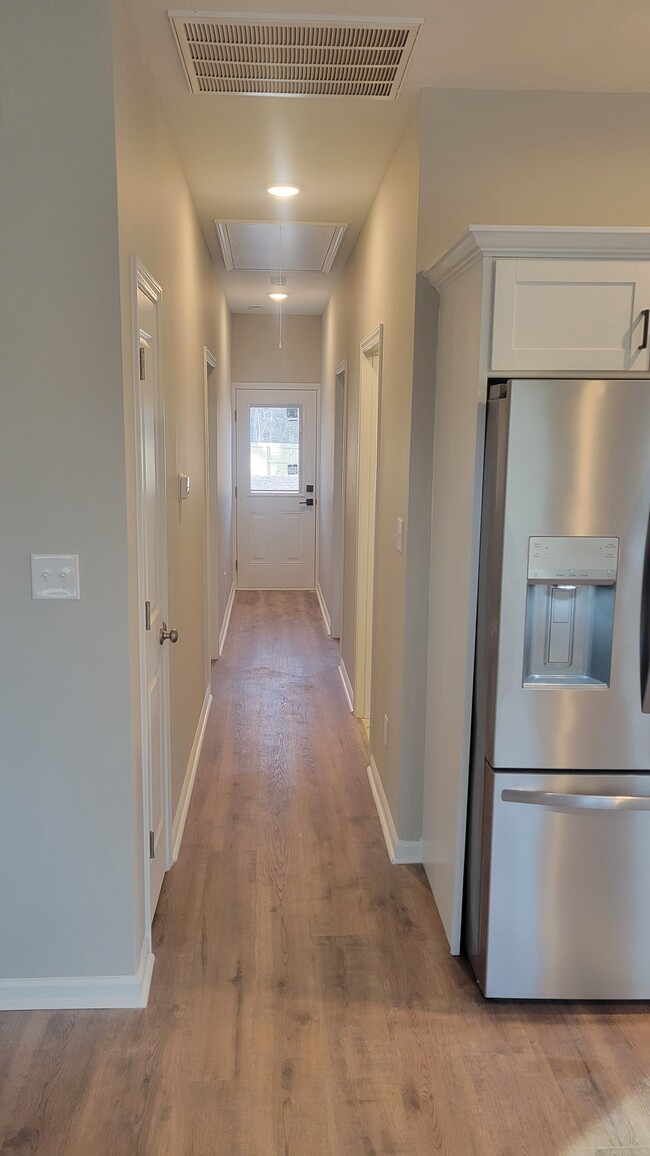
[
  {"x": 278, "y": 296},
  {"x": 283, "y": 190}
]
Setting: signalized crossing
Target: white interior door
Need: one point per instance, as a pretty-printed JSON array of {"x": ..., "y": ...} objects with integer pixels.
[
  {"x": 276, "y": 484},
  {"x": 153, "y": 572}
]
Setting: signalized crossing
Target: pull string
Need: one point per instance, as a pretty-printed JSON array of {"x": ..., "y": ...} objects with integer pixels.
[{"x": 280, "y": 303}]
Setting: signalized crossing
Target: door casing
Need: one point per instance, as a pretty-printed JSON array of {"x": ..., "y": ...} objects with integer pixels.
[
  {"x": 367, "y": 478},
  {"x": 339, "y": 467}
]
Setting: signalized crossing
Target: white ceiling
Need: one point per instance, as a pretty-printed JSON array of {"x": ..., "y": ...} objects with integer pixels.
[{"x": 337, "y": 149}]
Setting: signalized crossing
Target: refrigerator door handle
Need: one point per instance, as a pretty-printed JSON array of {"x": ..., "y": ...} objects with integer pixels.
[
  {"x": 556, "y": 801},
  {"x": 645, "y": 702}
]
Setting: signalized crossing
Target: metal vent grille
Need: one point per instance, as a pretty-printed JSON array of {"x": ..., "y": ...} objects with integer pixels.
[{"x": 224, "y": 54}]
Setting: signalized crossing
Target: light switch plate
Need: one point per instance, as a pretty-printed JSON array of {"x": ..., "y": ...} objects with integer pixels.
[
  {"x": 399, "y": 534},
  {"x": 55, "y": 576}
]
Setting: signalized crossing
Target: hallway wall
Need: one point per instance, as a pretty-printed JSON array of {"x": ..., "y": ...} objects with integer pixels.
[
  {"x": 530, "y": 158},
  {"x": 378, "y": 287},
  {"x": 157, "y": 221},
  {"x": 75, "y": 204},
  {"x": 67, "y": 855},
  {"x": 257, "y": 359}
]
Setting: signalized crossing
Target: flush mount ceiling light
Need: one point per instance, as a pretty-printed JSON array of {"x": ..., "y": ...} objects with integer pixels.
[
  {"x": 294, "y": 56},
  {"x": 278, "y": 296},
  {"x": 283, "y": 191}
]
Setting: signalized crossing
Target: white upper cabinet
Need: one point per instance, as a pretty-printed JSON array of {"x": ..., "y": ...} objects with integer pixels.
[{"x": 570, "y": 315}]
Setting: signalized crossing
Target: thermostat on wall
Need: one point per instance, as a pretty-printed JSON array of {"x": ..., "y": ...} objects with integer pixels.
[{"x": 183, "y": 487}]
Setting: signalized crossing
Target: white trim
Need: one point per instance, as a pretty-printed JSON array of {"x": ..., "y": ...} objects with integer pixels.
[
  {"x": 190, "y": 776},
  {"x": 367, "y": 503},
  {"x": 211, "y": 559},
  {"x": 399, "y": 850},
  {"x": 347, "y": 686},
  {"x": 536, "y": 241},
  {"x": 285, "y": 386},
  {"x": 323, "y": 608},
  {"x": 339, "y": 465},
  {"x": 226, "y": 619},
  {"x": 88, "y": 991}
]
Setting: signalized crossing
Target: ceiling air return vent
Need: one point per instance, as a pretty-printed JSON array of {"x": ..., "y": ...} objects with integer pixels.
[
  {"x": 293, "y": 56},
  {"x": 266, "y": 246}
]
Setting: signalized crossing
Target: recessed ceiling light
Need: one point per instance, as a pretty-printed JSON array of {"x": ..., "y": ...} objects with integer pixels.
[
  {"x": 278, "y": 296},
  {"x": 283, "y": 190}
]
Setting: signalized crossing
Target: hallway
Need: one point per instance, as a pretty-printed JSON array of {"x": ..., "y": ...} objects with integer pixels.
[{"x": 303, "y": 1000}]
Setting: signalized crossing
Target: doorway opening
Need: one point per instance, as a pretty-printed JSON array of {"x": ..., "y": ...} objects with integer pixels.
[{"x": 368, "y": 459}]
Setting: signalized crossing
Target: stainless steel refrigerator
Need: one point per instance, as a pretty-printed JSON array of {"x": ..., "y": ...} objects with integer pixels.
[{"x": 557, "y": 900}]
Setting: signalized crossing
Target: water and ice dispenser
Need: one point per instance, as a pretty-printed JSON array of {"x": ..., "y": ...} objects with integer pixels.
[{"x": 570, "y": 611}]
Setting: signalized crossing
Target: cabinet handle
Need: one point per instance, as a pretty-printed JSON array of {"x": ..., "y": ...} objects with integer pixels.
[{"x": 645, "y": 314}]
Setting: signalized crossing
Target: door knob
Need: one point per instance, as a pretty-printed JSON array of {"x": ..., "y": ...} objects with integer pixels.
[
  {"x": 172, "y": 635},
  {"x": 307, "y": 502}
]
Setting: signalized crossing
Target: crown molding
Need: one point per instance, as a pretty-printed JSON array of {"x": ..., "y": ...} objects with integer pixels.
[{"x": 479, "y": 241}]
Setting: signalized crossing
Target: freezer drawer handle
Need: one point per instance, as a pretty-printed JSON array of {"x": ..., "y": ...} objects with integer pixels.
[{"x": 557, "y": 801}]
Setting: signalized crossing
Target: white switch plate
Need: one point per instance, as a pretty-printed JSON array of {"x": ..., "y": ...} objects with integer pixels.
[
  {"x": 399, "y": 534},
  {"x": 55, "y": 576}
]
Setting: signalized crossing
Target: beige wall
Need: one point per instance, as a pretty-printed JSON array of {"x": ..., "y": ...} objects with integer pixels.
[
  {"x": 530, "y": 158},
  {"x": 67, "y": 856},
  {"x": 378, "y": 288},
  {"x": 257, "y": 358},
  {"x": 416, "y": 618},
  {"x": 157, "y": 221},
  {"x": 75, "y": 204}
]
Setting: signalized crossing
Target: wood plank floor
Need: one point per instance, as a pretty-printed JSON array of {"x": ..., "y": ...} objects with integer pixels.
[{"x": 303, "y": 1001}]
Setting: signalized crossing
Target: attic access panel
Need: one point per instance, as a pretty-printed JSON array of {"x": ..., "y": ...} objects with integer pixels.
[
  {"x": 293, "y": 56},
  {"x": 268, "y": 246}
]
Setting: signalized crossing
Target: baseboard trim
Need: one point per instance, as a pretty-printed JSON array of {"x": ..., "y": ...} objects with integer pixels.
[
  {"x": 347, "y": 686},
  {"x": 400, "y": 851},
  {"x": 88, "y": 991},
  {"x": 323, "y": 609},
  {"x": 226, "y": 620},
  {"x": 190, "y": 775}
]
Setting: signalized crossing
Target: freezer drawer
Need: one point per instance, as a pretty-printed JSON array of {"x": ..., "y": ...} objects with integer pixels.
[{"x": 565, "y": 897}]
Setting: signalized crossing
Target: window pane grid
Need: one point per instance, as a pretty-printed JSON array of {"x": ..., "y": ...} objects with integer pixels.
[{"x": 274, "y": 442}]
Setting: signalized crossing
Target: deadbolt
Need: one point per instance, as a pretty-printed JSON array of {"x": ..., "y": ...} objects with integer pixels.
[{"x": 172, "y": 635}]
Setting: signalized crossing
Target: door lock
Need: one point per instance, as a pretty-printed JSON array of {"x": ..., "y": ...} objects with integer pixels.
[{"x": 172, "y": 635}]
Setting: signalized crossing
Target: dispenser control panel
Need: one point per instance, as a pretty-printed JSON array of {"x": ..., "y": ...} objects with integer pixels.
[{"x": 573, "y": 560}]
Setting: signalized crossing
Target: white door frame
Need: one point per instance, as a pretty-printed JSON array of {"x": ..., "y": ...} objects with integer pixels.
[
  {"x": 367, "y": 478},
  {"x": 274, "y": 385},
  {"x": 339, "y": 468},
  {"x": 211, "y": 514},
  {"x": 142, "y": 279}
]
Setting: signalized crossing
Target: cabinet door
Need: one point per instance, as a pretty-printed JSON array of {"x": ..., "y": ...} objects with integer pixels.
[{"x": 570, "y": 315}]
